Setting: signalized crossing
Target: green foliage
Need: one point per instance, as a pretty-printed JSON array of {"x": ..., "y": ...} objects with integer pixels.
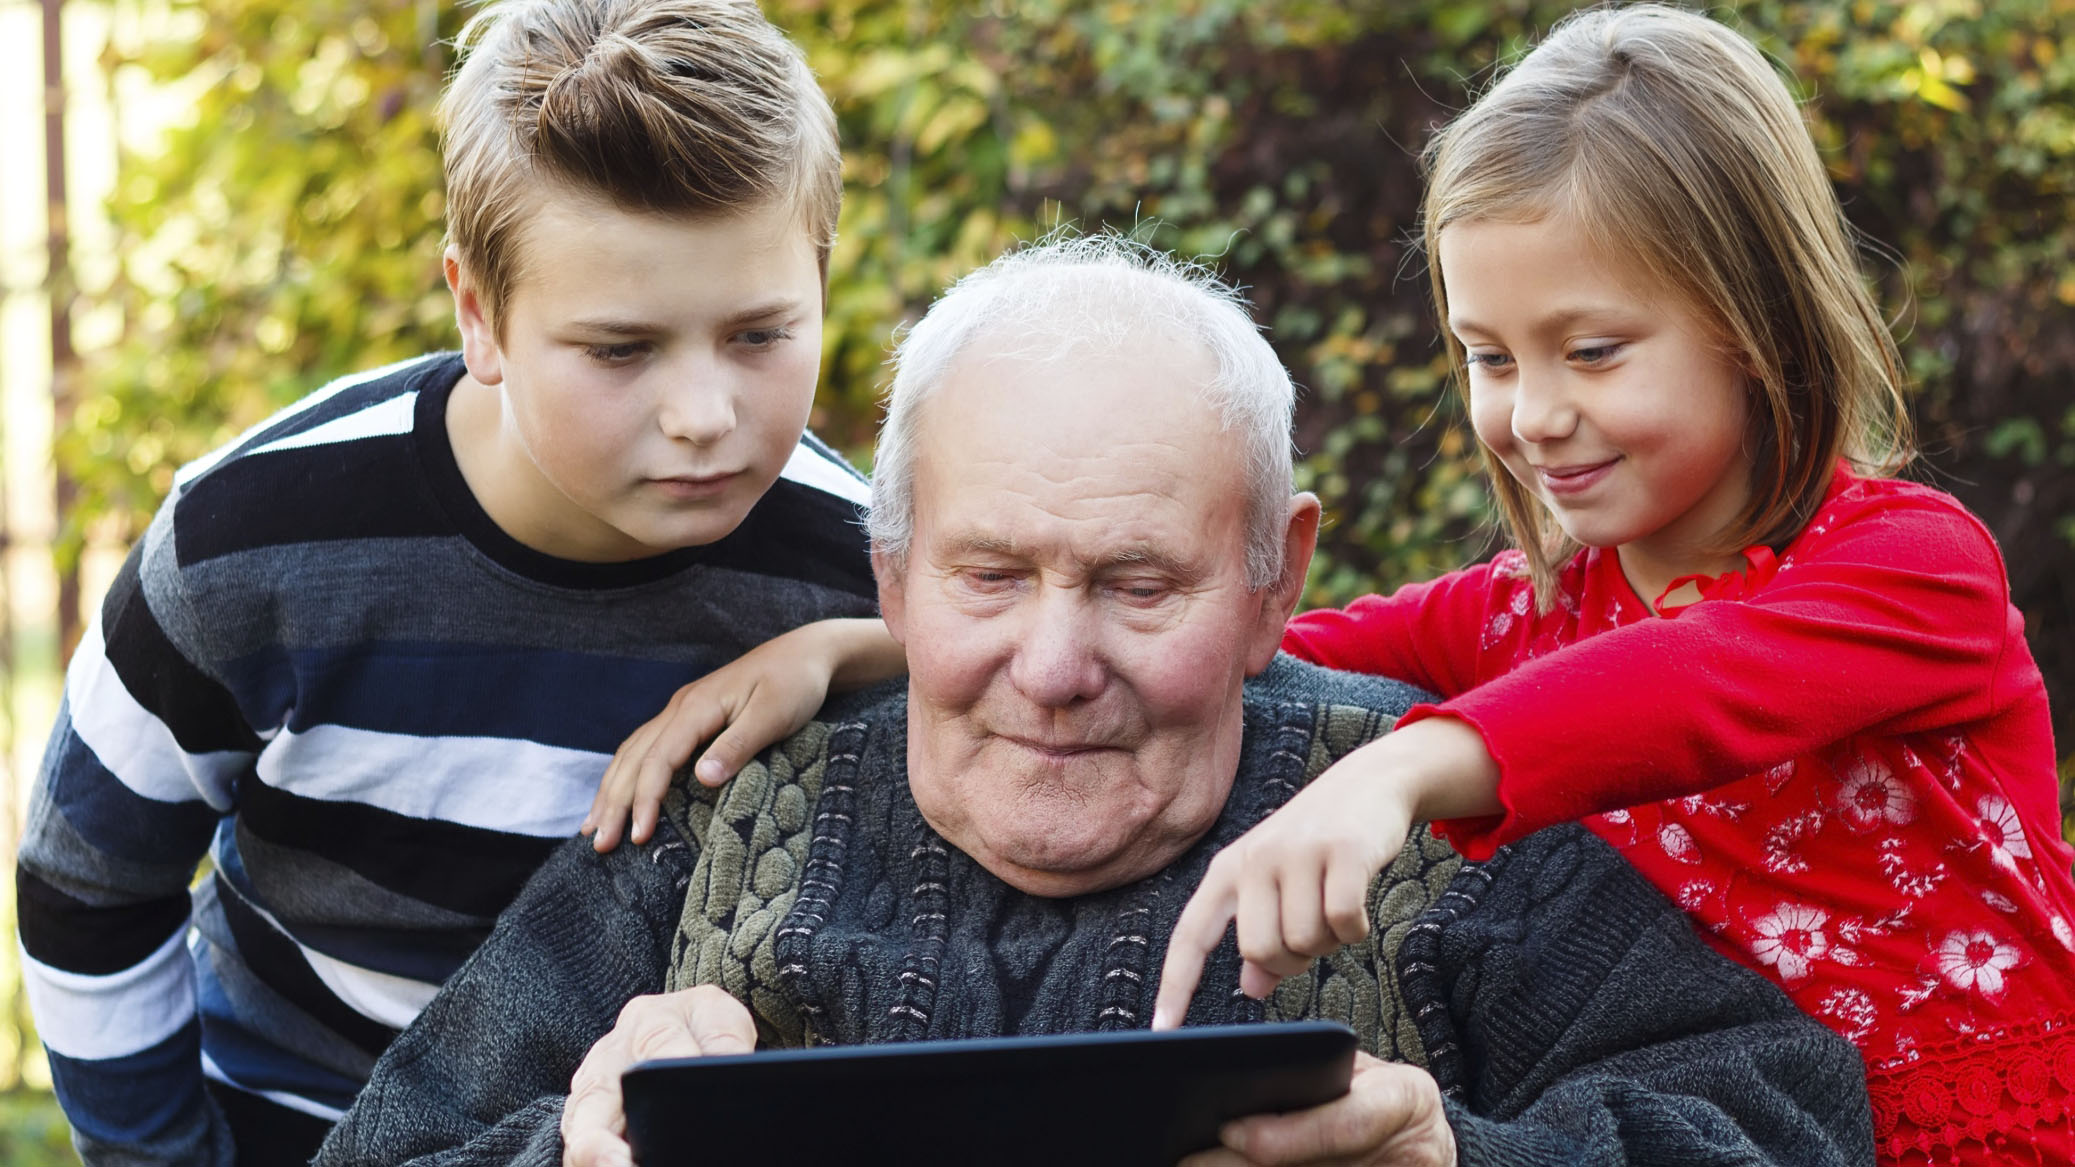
[
  {"x": 33, "y": 1132},
  {"x": 301, "y": 215}
]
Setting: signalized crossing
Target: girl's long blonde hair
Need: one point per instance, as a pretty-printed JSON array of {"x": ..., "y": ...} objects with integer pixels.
[{"x": 1672, "y": 142}]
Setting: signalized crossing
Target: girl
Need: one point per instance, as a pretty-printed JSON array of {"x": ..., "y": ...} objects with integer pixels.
[{"x": 1790, "y": 689}]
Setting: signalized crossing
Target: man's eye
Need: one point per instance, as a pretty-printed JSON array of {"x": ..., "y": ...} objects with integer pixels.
[
  {"x": 1141, "y": 591},
  {"x": 615, "y": 354}
]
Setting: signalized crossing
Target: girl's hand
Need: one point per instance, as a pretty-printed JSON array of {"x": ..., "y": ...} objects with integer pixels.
[
  {"x": 759, "y": 698},
  {"x": 1296, "y": 886}
]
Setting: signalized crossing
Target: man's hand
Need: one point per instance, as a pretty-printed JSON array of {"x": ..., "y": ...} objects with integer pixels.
[
  {"x": 1391, "y": 1115},
  {"x": 1296, "y": 886},
  {"x": 700, "y": 1022}
]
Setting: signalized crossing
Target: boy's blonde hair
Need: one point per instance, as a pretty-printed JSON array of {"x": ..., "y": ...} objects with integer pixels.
[
  {"x": 679, "y": 107},
  {"x": 1672, "y": 142}
]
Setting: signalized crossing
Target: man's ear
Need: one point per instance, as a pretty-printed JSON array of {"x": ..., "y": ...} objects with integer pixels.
[
  {"x": 1279, "y": 599},
  {"x": 479, "y": 348},
  {"x": 893, "y": 598}
]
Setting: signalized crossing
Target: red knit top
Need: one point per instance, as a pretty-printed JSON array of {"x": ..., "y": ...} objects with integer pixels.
[{"x": 1838, "y": 761}]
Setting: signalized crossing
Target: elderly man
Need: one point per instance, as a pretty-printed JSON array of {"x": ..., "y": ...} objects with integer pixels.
[{"x": 1085, "y": 538}]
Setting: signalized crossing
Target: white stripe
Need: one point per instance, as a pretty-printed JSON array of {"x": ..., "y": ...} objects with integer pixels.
[
  {"x": 207, "y": 462},
  {"x": 93, "y": 1018},
  {"x": 392, "y": 1000},
  {"x": 281, "y": 1097},
  {"x": 809, "y": 468},
  {"x": 395, "y": 415},
  {"x": 133, "y": 744},
  {"x": 498, "y": 784}
]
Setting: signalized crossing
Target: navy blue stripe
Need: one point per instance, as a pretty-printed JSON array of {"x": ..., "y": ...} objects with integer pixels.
[
  {"x": 200, "y": 712},
  {"x": 574, "y": 700},
  {"x": 113, "y": 818},
  {"x": 71, "y": 934},
  {"x": 464, "y": 869},
  {"x": 277, "y": 962},
  {"x": 137, "y": 1098},
  {"x": 256, "y": 1062}
]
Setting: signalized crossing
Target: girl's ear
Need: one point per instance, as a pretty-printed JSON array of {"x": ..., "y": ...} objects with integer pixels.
[
  {"x": 1279, "y": 599},
  {"x": 479, "y": 348}
]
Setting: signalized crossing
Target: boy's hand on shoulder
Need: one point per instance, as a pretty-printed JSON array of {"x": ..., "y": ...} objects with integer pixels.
[
  {"x": 761, "y": 697},
  {"x": 1296, "y": 886}
]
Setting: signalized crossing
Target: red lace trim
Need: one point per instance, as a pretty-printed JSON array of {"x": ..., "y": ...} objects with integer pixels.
[{"x": 1993, "y": 1090}]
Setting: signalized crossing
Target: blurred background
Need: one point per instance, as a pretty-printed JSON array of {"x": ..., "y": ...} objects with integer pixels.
[{"x": 210, "y": 207}]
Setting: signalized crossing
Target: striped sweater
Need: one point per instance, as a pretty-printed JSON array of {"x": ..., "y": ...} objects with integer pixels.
[{"x": 325, "y": 669}]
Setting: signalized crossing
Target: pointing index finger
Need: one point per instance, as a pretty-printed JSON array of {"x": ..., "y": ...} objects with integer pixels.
[{"x": 1197, "y": 931}]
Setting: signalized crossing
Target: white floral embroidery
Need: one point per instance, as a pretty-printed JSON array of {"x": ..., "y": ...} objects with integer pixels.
[
  {"x": 2063, "y": 933},
  {"x": 1853, "y": 930},
  {"x": 1976, "y": 960},
  {"x": 1873, "y": 797},
  {"x": 2002, "y": 831},
  {"x": 1497, "y": 629},
  {"x": 1694, "y": 893},
  {"x": 1702, "y": 804},
  {"x": 1781, "y": 840},
  {"x": 1791, "y": 940},
  {"x": 1906, "y": 880},
  {"x": 1998, "y": 901},
  {"x": 1677, "y": 843},
  {"x": 1778, "y": 776},
  {"x": 1853, "y": 1010}
]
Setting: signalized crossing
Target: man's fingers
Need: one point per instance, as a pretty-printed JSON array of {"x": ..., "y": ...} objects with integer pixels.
[
  {"x": 719, "y": 1023},
  {"x": 1196, "y": 931}
]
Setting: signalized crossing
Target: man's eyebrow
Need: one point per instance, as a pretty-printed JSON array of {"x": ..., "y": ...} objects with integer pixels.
[{"x": 1151, "y": 559}]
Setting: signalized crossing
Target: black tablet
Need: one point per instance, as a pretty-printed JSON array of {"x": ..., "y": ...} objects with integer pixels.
[{"x": 1131, "y": 1099}]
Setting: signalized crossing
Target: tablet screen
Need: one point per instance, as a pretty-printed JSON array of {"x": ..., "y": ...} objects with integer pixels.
[{"x": 1133, "y": 1098}]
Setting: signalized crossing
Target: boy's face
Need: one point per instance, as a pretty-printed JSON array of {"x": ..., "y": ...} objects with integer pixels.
[{"x": 653, "y": 377}]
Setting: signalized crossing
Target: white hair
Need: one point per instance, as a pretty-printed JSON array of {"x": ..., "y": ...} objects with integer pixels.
[{"x": 1056, "y": 296}]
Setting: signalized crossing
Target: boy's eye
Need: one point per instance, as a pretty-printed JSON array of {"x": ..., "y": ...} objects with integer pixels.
[
  {"x": 615, "y": 354},
  {"x": 762, "y": 338}
]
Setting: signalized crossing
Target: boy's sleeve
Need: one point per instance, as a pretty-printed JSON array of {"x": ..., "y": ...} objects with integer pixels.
[
  {"x": 1585, "y": 1022},
  {"x": 1425, "y": 634},
  {"x": 1895, "y": 622},
  {"x": 141, "y": 765}
]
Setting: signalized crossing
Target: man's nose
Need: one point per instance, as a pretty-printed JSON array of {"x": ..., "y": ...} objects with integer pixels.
[
  {"x": 1059, "y": 660},
  {"x": 697, "y": 405},
  {"x": 1543, "y": 410}
]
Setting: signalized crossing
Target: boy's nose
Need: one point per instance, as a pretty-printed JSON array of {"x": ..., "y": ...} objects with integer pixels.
[{"x": 699, "y": 410}]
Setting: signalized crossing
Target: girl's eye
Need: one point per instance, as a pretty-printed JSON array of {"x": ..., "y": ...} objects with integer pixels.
[
  {"x": 764, "y": 338},
  {"x": 615, "y": 354},
  {"x": 1488, "y": 361},
  {"x": 1595, "y": 354}
]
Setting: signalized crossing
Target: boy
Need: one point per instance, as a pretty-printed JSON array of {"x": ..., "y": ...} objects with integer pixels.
[{"x": 372, "y": 657}]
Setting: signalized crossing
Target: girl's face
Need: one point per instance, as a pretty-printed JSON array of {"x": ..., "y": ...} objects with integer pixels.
[{"x": 1605, "y": 397}]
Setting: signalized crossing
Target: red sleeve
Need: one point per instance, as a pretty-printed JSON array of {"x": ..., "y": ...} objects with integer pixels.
[
  {"x": 1892, "y": 620},
  {"x": 1424, "y": 634}
]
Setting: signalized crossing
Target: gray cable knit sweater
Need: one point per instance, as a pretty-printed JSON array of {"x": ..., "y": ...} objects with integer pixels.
[{"x": 1568, "y": 1011}]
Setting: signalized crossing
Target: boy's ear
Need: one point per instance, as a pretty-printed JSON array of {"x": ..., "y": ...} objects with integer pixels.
[
  {"x": 893, "y": 598},
  {"x": 479, "y": 349},
  {"x": 1279, "y": 599}
]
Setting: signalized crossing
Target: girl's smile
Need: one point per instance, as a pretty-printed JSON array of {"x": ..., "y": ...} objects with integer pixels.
[{"x": 1605, "y": 396}]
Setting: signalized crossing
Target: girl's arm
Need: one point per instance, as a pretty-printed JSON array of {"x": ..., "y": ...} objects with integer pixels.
[
  {"x": 759, "y": 698},
  {"x": 1425, "y": 634},
  {"x": 1890, "y": 616}
]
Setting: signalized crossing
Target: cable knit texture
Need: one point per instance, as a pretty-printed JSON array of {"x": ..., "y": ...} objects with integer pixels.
[{"x": 1569, "y": 1011}]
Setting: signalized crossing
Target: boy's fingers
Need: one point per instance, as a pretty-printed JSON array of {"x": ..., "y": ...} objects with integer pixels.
[{"x": 1196, "y": 931}]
